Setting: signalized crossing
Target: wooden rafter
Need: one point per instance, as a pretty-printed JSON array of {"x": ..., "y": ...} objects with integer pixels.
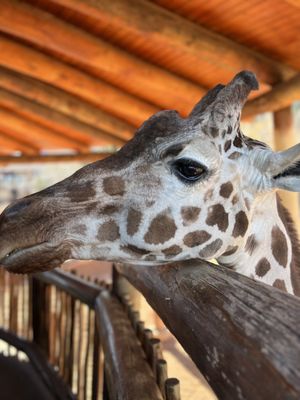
[
  {"x": 41, "y": 136},
  {"x": 164, "y": 27},
  {"x": 56, "y": 121},
  {"x": 64, "y": 102},
  {"x": 47, "y": 69},
  {"x": 84, "y": 158},
  {"x": 281, "y": 96},
  {"x": 142, "y": 79},
  {"x": 13, "y": 143}
]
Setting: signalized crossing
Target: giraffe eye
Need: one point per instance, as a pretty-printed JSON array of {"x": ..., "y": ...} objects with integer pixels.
[{"x": 188, "y": 170}]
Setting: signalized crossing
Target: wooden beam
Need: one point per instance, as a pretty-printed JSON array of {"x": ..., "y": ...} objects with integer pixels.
[
  {"x": 226, "y": 321},
  {"x": 164, "y": 28},
  {"x": 285, "y": 137},
  {"x": 281, "y": 96},
  {"x": 42, "y": 137},
  {"x": 64, "y": 102},
  {"x": 122, "y": 69},
  {"x": 47, "y": 69},
  {"x": 53, "y": 158},
  {"x": 57, "y": 121},
  {"x": 124, "y": 356},
  {"x": 11, "y": 143}
]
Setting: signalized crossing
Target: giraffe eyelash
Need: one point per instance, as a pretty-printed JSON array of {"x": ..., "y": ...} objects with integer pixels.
[{"x": 188, "y": 171}]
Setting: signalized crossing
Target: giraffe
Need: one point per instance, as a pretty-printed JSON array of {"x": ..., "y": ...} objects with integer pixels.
[{"x": 182, "y": 188}]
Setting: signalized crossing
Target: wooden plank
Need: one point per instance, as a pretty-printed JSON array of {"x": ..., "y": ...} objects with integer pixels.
[
  {"x": 124, "y": 358},
  {"x": 24, "y": 159},
  {"x": 57, "y": 121},
  {"x": 41, "y": 136},
  {"x": 228, "y": 323},
  {"x": 40, "y": 315},
  {"x": 13, "y": 143},
  {"x": 47, "y": 69},
  {"x": 163, "y": 27},
  {"x": 122, "y": 69},
  {"x": 281, "y": 96},
  {"x": 78, "y": 288},
  {"x": 64, "y": 102}
]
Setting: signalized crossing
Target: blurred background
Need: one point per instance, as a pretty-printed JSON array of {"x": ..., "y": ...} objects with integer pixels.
[{"x": 77, "y": 77}]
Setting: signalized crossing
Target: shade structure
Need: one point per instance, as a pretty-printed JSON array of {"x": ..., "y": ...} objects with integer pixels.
[{"x": 80, "y": 75}]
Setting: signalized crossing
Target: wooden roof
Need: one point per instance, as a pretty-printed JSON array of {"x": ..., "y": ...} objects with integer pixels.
[{"x": 83, "y": 74}]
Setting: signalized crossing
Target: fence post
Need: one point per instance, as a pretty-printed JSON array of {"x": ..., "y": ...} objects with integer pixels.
[{"x": 40, "y": 314}]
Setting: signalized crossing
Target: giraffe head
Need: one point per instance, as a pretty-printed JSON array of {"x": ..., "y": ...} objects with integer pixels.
[{"x": 181, "y": 188}]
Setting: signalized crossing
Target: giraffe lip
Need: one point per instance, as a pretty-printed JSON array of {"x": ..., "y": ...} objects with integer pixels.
[{"x": 9, "y": 257}]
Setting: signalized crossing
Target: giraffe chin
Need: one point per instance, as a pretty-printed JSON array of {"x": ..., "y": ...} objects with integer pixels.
[{"x": 40, "y": 257}]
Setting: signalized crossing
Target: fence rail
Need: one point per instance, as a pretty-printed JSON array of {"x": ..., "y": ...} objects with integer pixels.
[
  {"x": 244, "y": 336},
  {"x": 87, "y": 335}
]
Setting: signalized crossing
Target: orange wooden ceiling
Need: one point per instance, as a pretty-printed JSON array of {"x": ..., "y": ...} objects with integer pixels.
[{"x": 81, "y": 73}]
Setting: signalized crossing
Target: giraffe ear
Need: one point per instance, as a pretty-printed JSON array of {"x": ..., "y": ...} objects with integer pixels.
[
  {"x": 286, "y": 169},
  {"x": 289, "y": 179}
]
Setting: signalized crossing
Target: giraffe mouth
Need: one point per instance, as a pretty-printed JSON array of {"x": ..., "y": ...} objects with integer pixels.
[
  {"x": 17, "y": 252},
  {"x": 20, "y": 255}
]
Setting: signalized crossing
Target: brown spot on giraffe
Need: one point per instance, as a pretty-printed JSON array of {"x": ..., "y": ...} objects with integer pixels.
[
  {"x": 80, "y": 192},
  {"x": 262, "y": 267},
  {"x": 291, "y": 231},
  {"x": 108, "y": 231},
  {"x": 227, "y": 145},
  {"x": 217, "y": 216},
  {"x": 211, "y": 249},
  {"x": 208, "y": 195},
  {"x": 251, "y": 244},
  {"x": 279, "y": 284},
  {"x": 79, "y": 229},
  {"x": 226, "y": 189},
  {"x": 133, "y": 221},
  {"x": 279, "y": 246},
  {"x": 109, "y": 209},
  {"x": 114, "y": 186},
  {"x": 214, "y": 131},
  {"x": 161, "y": 229},
  {"x": 240, "y": 225},
  {"x": 238, "y": 142},
  {"x": 190, "y": 214},
  {"x": 230, "y": 250},
  {"x": 235, "y": 199},
  {"x": 235, "y": 155},
  {"x": 172, "y": 251},
  {"x": 196, "y": 238}
]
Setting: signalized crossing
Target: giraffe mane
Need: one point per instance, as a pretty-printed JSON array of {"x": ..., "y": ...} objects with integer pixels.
[{"x": 254, "y": 142}]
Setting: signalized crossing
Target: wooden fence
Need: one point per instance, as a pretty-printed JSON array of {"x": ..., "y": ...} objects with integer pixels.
[
  {"x": 84, "y": 342},
  {"x": 243, "y": 336}
]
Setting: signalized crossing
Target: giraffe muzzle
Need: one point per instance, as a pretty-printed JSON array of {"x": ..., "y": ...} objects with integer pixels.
[{"x": 25, "y": 244}]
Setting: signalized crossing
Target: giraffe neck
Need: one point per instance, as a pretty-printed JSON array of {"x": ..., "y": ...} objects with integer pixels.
[{"x": 267, "y": 253}]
